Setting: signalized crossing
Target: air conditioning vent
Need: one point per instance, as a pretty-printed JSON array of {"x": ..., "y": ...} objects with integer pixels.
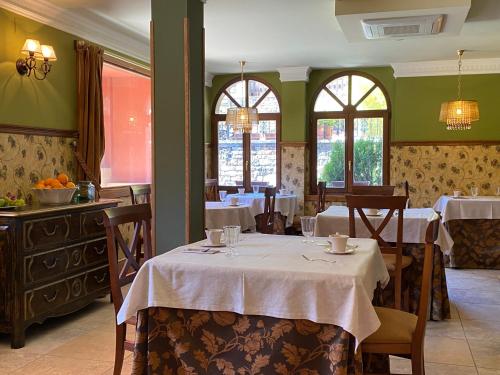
[{"x": 402, "y": 27}]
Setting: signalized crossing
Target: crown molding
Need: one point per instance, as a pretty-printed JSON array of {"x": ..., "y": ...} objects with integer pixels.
[
  {"x": 83, "y": 24},
  {"x": 446, "y": 67},
  {"x": 209, "y": 77},
  {"x": 294, "y": 73}
]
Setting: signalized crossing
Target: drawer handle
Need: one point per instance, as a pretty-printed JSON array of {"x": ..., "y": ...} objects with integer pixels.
[
  {"x": 100, "y": 280},
  {"x": 51, "y": 299},
  {"x": 100, "y": 252},
  {"x": 50, "y": 266},
  {"x": 50, "y": 234},
  {"x": 99, "y": 222}
]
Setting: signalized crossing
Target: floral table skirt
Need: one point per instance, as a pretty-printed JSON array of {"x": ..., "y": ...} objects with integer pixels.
[
  {"x": 177, "y": 341},
  {"x": 439, "y": 301},
  {"x": 476, "y": 244}
]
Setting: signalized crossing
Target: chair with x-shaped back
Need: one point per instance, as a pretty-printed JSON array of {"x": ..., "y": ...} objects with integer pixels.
[
  {"x": 122, "y": 271},
  {"x": 393, "y": 254}
]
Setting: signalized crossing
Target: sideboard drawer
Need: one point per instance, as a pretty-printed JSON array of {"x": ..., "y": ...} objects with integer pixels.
[
  {"x": 46, "y": 298},
  {"x": 96, "y": 251},
  {"x": 97, "y": 279},
  {"x": 92, "y": 223},
  {"x": 45, "y": 265},
  {"x": 47, "y": 231}
]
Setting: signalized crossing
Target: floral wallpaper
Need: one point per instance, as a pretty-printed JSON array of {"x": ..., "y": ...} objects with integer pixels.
[
  {"x": 433, "y": 171},
  {"x": 25, "y": 159},
  {"x": 293, "y": 173}
]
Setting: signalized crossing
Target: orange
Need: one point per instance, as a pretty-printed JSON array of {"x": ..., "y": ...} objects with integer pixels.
[
  {"x": 70, "y": 185},
  {"x": 63, "y": 178},
  {"x": 51, "y": 181},
  {"x": 40, "y": 185}
]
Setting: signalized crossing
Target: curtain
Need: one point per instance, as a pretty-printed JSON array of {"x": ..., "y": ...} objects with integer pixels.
[{"x": 89, "y": 63}]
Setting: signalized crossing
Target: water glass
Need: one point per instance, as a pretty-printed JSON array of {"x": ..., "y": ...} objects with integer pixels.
[
  {"x": 231, "y": 238},
  {"x": 308, "y": 223},
  {"x": 222, "y": 195},
  {"x": 474, "y": 191},
  {"x": 498, "y": 191},
  {"x": 256, "y": 189}
]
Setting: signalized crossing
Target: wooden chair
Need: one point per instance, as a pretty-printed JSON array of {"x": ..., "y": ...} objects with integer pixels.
[
  {"x": 387, "y": 190},
  {"x": 401, "y": 333},
  {"x": 320, "y": 206},
  {"x": 123, "y": 272},
  {"x": 270, "y": 222},
  {"x": 407, "y": 193},
  {"x": 140, "y": 194},
  {"x": 393, "y": 255},
  {"x": 211, "y": 193}
]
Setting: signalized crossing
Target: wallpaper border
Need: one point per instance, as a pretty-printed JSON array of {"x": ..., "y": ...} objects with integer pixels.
[{"x": 30, "y": 130}]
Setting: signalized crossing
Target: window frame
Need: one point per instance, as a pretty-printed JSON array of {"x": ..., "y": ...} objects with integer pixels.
[
  {"x": 143, "y": 70},
  {"x": 215, "y": 118},
  {"x": 349, "y": 113}
]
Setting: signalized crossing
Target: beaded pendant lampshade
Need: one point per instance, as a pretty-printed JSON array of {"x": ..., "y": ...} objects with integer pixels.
[
  {"x": 459, "y": 114},
  {"x": 242, "y": 118}
]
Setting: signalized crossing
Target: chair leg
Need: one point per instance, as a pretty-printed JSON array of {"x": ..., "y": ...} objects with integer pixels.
[
  {"x": 417, "y": 364},
  {"x": 397, "y": 291},
  {"x": 121, "y": 333}
]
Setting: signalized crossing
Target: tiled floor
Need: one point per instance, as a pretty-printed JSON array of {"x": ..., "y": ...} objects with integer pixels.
[{"x": 83, "y": 343}]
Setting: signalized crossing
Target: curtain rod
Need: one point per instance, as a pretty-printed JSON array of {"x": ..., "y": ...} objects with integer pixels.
[{"x": 129, "y": 63}]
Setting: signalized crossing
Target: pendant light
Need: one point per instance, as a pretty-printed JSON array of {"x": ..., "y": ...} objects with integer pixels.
[
  {"x": 459, "y": 114},
  {"x": 242, "y": 118}
]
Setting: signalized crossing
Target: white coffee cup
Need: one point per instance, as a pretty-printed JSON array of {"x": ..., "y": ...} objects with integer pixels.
[
  {"x": 241, "y": 190},
  {"x": 284, "y": 191},
  {"x": 371, "y": 211},
  {"x": 457, "y": 193},
  {"x": 234, "y": 201},
  {"x": 339, "y": 242},
  {"x": 214, "y": 236}
]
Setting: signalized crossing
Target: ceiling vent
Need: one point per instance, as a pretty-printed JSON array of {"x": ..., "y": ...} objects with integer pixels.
[{"x": 402, "y": 26}]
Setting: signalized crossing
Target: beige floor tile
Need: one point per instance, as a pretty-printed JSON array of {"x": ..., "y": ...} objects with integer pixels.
[
  {"x": 52, "y": 365},
  {"x": 445, "y": 328},
  {"x": 454, "y": 311},
  {"x": 460, "y": 296},
  {"x": 448, "y": 351},
  {"x": 488, "y": 371},
  {"x": 486, "y": 353},
  {"x": 442, "y": 369},
  {"x": 126, "y": 369},
  {"x": 14, "y": 360},
  {"x": 479, "y": 311},
  {"x": 487, "y": 330}
]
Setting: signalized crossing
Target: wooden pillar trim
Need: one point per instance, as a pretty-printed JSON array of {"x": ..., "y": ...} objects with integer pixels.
[{"x": 187, "y": 137}]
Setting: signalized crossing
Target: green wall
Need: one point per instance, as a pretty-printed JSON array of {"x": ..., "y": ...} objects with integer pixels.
[
  {"x": 25, "y": 101},
  {"x": 415, "y": 103}
]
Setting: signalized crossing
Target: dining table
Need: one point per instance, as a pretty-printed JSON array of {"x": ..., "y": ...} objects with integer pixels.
[
  {"x": 335, "y": 219},
  {"x": 220, "y": 214},
  {"x": 279, "y": 306},
  {"x": 286, "y": 204},
  {"x": 474, "y": 225}
]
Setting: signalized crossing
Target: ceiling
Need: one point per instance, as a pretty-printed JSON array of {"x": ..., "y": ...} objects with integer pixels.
[{"x": 271, "y": 34}]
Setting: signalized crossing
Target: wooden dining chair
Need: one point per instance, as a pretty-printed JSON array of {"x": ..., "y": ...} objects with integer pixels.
[
  {"x": 140, "y": 194},
  {"x": 211, "y": 193},
  {"x": 387, "y": 190},
  {"x": 407, "y": 193},
  {"x": 400, "y": 333},
  {"x": 320, "y": 205},
  {"x": 270, "y": 222},
  {"x": 393, "y": 254},
  {"x": 123, "y": 272}
]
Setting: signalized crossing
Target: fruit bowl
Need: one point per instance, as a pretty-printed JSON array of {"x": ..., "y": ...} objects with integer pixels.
[{"x": 54, "y": 196}]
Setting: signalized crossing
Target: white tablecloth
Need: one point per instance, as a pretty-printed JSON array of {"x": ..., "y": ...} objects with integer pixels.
[
  {"x": 219, "y": 214},
  {"x": 336, "y": 219},
  {"x": 468, "y": 208},
  {"x": 286, "y": 204},
  {"x": 269, "y": 277}
]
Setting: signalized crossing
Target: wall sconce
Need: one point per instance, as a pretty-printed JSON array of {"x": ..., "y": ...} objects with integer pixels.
[{"x": 35, "y": 52}]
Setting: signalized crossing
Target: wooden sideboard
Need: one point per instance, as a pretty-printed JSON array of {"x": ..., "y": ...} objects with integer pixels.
[{"x": 53, "y": 261}]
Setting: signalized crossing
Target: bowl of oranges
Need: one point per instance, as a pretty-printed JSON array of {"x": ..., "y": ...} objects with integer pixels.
[{"x": 59, "y": 190}]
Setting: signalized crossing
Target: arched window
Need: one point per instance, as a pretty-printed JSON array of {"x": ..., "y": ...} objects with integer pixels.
[
  {"x": 246, "y": 159},
  {"x": 350, "y": 132}
]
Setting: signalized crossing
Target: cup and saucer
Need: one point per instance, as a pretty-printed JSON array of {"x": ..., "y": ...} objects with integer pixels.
[
  {"x": 284, "y": 192},
  {"x": 214, "y": 238},
  {"x": 234, "y": 202},
  {"x": 372, "y": 212},
  {"x": 339, "y": 245}
]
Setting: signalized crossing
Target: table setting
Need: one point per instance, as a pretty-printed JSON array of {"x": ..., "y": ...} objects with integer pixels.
[{"x": 220, "y": 214}]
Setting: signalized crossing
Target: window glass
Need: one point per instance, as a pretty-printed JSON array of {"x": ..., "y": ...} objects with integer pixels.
[
  {"x": 376, "y": 100},
  {"x": 339, "y": 87},
  {"x": 255, "y": 90},
  {"x": 331, "y": 143},
  {"x": 263, "y": 153},
  {"x": 269, "y": 104},
  {"x": 326, "y": 103},
  {"x": 127, "y": 127},
  {"x": 237, "y": 92},
  {"x": 360, "y": 86},
  {"x": 230, "y": 155},
  {"x": 368, "y": 150},
  {"x": 223, "y": 104}
]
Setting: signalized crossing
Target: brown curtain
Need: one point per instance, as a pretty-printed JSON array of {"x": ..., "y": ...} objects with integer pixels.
[{"x": 89, "y": 62}]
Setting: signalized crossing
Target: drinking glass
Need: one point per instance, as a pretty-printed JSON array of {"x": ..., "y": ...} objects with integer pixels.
[
  {"x": 498, "y": 191},
  {"x": 474, "y": 191},
  {"x": 222, "y": 195},
  {"x": 307, "y": 223},
  {"x": 256, "y": 189},
  {"x": 231, "y": 238}
]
